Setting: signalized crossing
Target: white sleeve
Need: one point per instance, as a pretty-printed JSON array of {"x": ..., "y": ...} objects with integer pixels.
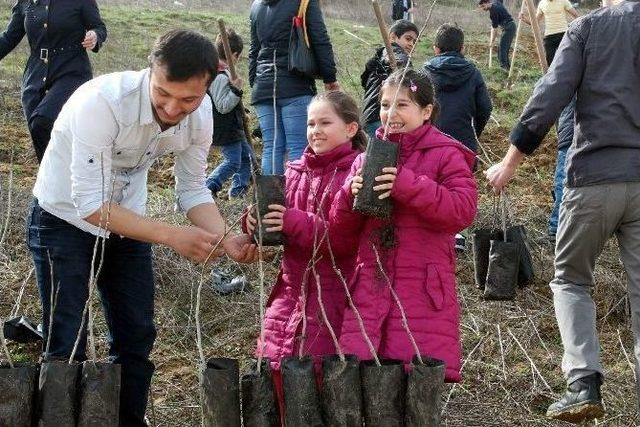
[{"x": 91, "y": 151}]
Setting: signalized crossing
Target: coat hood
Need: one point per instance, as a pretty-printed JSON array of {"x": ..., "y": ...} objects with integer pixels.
[{"x": 449, "y": 70}]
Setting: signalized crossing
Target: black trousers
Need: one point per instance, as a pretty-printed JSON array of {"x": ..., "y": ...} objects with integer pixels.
[
  {"x": 40, "y": 129},
  {"x": 551, "y": 43}
]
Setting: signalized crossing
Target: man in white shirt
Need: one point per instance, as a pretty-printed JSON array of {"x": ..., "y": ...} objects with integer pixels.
[{"x": 92, "y": 183}]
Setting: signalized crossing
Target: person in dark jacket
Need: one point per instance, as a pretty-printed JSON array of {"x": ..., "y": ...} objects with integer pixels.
[
  {"x": 59, "y": 33},
  {"x": 465, "y": 105},
  {"x": 403, "y": 35},
  {"x": 276, "y": 91},
  {"x": 500, "y": 17},
  {"x": 402, "y": 9}
]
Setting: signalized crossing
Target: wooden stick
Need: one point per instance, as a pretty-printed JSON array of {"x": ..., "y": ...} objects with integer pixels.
[
  {"x": 491, "y": 36},
  {"x": 537, "y": 35},
  {"x": 234, "y": 75},
  {"x": 384, "y": 32},
  {"x": 515, "y": 44},
  {"x": 3, "y": 343}
]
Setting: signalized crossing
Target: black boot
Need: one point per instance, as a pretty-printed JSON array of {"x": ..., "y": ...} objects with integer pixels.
[{"x": 581, "y": 402}]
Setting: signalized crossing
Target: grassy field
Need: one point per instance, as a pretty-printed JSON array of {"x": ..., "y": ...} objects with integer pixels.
[{"x": 512, "y": 350}]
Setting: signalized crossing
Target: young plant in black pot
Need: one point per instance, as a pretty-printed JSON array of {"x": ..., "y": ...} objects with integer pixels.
[
  {"x": 268, "y": 190},
  {"x": 301, "y": 397},
  {"x": 383, "y": 392},
  {"x": 481, "y": 241},
  {"x": 17, "y": 390},
  {"x": 259, "y": 408},
  {"x": 57, "y": 393},
  {"x": 502, "y": 274},
  {"x": 341, "y": 391},
  {"x": 220, "y": 380},
  {"x": 424, "y": 386},
  {"x": 99, "y": 395},
  {"x": 379, "y": 154}
]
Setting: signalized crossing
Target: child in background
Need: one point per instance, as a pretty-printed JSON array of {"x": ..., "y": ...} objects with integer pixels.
[
  {"x": 228, "y": 129},
  {"x": 465, "y": 105},
  {"x": 434, "y": 197},
  {"x": 500, "y": 17},
  {"x": 335, "y": 139},
  {"x": 403, "y": 35}
]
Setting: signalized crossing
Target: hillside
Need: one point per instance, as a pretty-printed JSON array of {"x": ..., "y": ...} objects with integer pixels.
[{"x": 512, "y": 350}]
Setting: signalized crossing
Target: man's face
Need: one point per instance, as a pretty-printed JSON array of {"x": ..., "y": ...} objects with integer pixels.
[
  {"x": 173, "y": 101},
  {"x": 485, "y": 6},
  {"x": 405, "y": 41}
]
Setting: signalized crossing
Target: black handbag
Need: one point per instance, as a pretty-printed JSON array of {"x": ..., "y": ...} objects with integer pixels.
[{"x": 302, "y": 61}]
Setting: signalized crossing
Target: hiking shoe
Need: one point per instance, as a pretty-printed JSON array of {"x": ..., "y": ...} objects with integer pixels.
[
  {"x": 461, "y": 243},
  {"x": 581, "y": 402},
  {"x": 225, "y": 284}
]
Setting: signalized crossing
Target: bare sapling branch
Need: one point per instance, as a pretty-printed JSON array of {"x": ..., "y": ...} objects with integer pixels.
[
  {"x": 5, "y": 227},
  {"x": 3, "y": 342}
]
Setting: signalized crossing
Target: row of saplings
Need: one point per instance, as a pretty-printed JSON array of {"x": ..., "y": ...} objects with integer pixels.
[{"x": 352, "y": 393}]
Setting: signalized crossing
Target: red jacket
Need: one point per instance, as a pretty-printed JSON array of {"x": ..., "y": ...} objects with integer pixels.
[
  {"x": 434, "y": 197},
  {"x": 311, "y": 184}
]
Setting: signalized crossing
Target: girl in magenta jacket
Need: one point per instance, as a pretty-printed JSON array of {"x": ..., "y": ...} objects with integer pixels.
[
  {"x": 335, "y": 139},
  {"x": 434, "y": 196}
]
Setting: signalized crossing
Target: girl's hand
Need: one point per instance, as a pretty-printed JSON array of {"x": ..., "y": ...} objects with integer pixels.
[
  {"x": 250, "y": 220},
  {"x": 274, "y": 218},
  {"x": 389, "y": 175},
  {"x": 90, "y": 40},
  {"x": 356, "y": 182}
]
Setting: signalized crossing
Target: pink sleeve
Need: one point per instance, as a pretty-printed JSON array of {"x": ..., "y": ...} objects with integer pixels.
[
  {"x": 450, "y": 204},
  {"x": 345, "y": 222}
]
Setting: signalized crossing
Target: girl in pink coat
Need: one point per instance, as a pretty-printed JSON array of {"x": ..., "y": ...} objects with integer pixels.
[
  {"x": 335, "y": 139},
  {"x": 434, "y": 196}
]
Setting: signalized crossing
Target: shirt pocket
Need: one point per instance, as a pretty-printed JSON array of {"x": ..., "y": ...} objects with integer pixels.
[{"x": 129, "y": 158}]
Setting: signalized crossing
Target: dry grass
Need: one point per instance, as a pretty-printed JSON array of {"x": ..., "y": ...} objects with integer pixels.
[{"x": 512, "y": 350}]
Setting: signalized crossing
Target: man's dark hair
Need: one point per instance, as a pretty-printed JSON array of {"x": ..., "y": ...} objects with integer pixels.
[
  {"x": 483, "y": 1},
  {"x": 235, "y": 43},
  {"x": 185, "y": 54},
  {"x": 449, "y": 38},
  {"x": 402, "y": 26}
]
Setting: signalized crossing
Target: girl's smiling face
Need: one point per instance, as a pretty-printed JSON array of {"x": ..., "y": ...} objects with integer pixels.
[
  {"x": 325, "y": 129},
  {"x": 407, "y": 114}
]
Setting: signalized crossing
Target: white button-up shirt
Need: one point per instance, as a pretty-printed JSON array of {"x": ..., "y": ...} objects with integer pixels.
[{"x": 103, "y": 144}]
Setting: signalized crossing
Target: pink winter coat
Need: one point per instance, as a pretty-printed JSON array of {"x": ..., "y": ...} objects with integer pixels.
[
  {"x": 434, "y": 197},
  {"x": 311, "y": 184}
]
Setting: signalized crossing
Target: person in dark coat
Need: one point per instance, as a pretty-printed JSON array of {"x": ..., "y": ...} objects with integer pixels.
[
  {"x": 271, "y": 22},
  {"x": 403, "y": 35},
  {"x": 500, "y": 17},
  {"x": 59, "y": 33},
  {"x": 402, "y": 9},
  {"x": 464, "y": 101}
]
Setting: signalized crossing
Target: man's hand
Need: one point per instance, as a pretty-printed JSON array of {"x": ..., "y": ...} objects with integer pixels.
[
  {"x": 241, "y": 248},
  {"x": 275, "y": 218},
  {"x": 194, "y": 243},
  {"x": 501, "y": 173},
  {"x": 90, "y": 40},
  {"x": 389, "y": 177},
  {"x": 250, "y": 222}
]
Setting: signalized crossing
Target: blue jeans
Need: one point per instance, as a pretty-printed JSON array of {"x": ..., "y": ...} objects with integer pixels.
[
  {"x": 125, "y": 286},
  {"x": 236, "y": 164},
  {"x": 370, "y": 128},
  {"x": 565, "y": 125},
  {"x": 508, "y": 33},
  {"x": 292, "y": 132}
]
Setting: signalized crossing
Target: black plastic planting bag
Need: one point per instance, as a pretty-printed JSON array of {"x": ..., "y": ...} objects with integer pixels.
[
  {"x": 481, "y": 241},
  {"x": 302, "y": 62},
  {"x": 341, "y": 392},
  {"x": 301, "y": 399},
  {"x": 99, "y": 395},
  {"x": 502, "y": 277},
  {"x": 259, "y": 407},
  {"x": 518, "y": 234},
  {"x": 221, "y": 393},
  {"x": 383, "y": 393},
  {"x": 269, "y": 191},
  {"x": 22, "y": 330},
  {"x": 424, "y": 385},
  {"x": 17, "y": 391},
  {"x": 379, "y": 154},
  {"x": 57, "y": 391}
]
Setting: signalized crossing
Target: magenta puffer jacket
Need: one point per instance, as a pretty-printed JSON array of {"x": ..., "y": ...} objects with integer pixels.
[
  {"x": 434, "y": 197},
  {"x": 311, "y": 184}
]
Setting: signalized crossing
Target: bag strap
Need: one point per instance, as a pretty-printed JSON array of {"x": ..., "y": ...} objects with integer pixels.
[{"x": 302, "y": 15}]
